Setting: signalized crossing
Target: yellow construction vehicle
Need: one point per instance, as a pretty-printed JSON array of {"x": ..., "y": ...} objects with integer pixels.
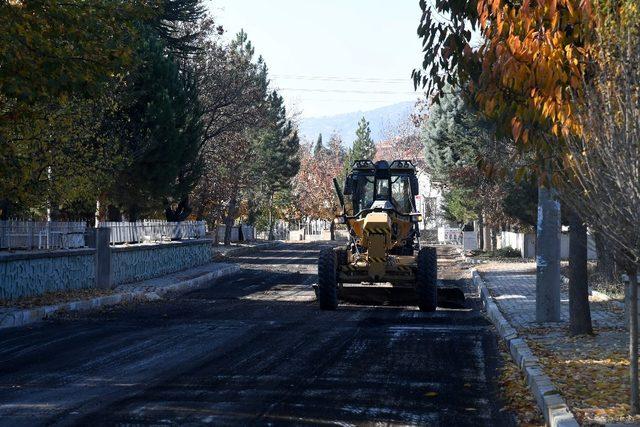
[{"x": 378, "y": 208}]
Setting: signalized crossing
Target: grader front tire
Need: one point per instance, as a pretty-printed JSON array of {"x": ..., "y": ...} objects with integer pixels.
[
  {"x": 327, "y": 279},
  {"x": 427, "y": 279}
]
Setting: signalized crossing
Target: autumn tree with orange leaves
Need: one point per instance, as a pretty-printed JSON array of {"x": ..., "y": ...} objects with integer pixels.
[
  {"x": 313, "y": 185},
  {"x": 524, "y": 75},
  {"x": 529, "y": 74}
]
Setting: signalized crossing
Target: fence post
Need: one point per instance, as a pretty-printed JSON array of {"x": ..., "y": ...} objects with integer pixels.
[
  {"x": 103, "y": 258},
  {"x": 31, "y": 226},
  {"x": 90, "y": 238}
]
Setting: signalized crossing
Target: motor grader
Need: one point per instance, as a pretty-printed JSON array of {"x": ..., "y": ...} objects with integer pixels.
[{"x": 378, "y": 209}]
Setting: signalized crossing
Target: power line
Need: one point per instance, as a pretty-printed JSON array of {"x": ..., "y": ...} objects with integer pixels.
[
  {"x": 342, "y": 79},
  {"x": 373, "y": 92},
  {"x": 338, "y": 100}
]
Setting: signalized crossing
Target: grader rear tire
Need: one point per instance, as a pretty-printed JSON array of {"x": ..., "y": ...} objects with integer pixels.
[
  {"x": 327, "y": 279},
  {"x": 427, "y": 279}
]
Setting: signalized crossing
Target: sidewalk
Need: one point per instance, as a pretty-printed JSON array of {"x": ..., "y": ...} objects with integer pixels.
[
  {"x": 30, "y": 310},
  {"x": 589, "y": 372}
]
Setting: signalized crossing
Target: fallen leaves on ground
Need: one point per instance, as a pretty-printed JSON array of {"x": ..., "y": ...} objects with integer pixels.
[
  {"x": 58, "y": 297},
  {"x": 515, "y": 393},
  {"x": 592, "y": 376}
]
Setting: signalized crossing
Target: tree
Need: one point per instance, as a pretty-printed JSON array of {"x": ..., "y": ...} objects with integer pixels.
[
  {"x": 363, "y": 147},
  {"x": 63, "y": 69},
  {"x": 233, "y": 92},
  {"x": 232, "y": 85},
  {"x": 404, "y": 142},
  {"x": 524, "y": 76},
  {"x": 603, "y": 161},
  {"x": 318, "y": 147},
  {"x": 313, "y": 185},
  {"x": 45, "y": 165},
  {"x": 460, "y": 205},
  {"x": 53, "y": 50},
  {"x": 250, "y": 145},
  {"x": 159, "y": 127},
  {"x": 455, "y": 137},
  {"x": 58, "y": 59},
  {"x": 277, "y": 159}
]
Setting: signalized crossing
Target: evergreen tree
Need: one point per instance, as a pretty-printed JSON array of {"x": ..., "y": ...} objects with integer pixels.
[
  {"x": 363, "y": 147},
  {"x": 277, "y": 155},
  {"x": 318, "y": 147},
  {"x": 278, "y": 147},
  {"x": 453, "y": 135},
  {"x": 460, "y": 205},
  {"x": 160, "y": 130}
]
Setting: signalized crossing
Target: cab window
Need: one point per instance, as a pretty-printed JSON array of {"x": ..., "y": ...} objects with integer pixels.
[
  {"x": 382, "y": 189},
  {"x": 401, "y": 193},
  {"x": 365, "y": 193}
]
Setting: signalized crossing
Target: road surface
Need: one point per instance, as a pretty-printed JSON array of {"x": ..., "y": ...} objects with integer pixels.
[{"x": 254, "y": 350}]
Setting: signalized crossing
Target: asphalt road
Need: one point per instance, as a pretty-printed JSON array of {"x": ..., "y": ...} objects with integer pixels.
[{"x": 255, "y": 350}]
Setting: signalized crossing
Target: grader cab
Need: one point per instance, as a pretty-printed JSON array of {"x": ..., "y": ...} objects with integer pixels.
[{"x": 379, "y": 211}]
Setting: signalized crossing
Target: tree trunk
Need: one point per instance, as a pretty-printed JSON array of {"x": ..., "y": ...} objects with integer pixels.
[
  {"x": 480, "y": 232},
  {"x": 4, "y": 209},
  {"x": 201, "y": 207},
  {"x": 180, "y": 213},
  {"x": 132, "y": 213},
  {"x": 486, "y": 238},
  {"x": 271, "y": 236},
  {"x": 548, "y": 257},
  {"x": 579, "y": 311},
  {"x": 215, "y": 233},
  {"x": 494, "y": 239},
  {"x": 606, "y": 266},
  {"x": 229, "y": 220},
  {"x": 332, "y": 230},
  {"x": 633, "y": 338},
  {"x": 113, "y": 213}
]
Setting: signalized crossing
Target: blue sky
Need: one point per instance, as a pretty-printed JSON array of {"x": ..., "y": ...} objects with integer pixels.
[{"x": 331, "y": 56}]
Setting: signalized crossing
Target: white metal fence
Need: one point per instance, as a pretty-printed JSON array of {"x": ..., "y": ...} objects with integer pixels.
[
  {"x": 154, "y": 231},
  {"x": 450, "y": 235},
  {"x": 315, "y": 227},
  {"x": 15, "y": 234}
]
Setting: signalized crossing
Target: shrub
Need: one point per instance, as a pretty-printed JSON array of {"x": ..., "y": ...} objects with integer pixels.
[{"x": 507, "y": 252}]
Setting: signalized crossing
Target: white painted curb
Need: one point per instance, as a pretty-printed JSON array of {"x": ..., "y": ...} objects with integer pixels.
[
  {"x": 24, "y": 317},
  {"x": 554, "y": 408}
]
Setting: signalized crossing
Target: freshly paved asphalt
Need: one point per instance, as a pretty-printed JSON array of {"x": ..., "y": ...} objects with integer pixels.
[{"x": 254, "y": 350}]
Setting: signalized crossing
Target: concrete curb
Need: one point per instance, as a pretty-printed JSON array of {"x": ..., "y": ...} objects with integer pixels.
[
  {"x": 554, "y": 408},
  {"x": 24, "y": 317}
]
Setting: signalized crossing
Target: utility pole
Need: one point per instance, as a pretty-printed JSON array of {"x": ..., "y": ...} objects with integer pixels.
[{"x": 548, "y": 256}]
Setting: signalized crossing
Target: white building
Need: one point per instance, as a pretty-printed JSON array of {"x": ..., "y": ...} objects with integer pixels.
[{"x": 429, "y": 202}]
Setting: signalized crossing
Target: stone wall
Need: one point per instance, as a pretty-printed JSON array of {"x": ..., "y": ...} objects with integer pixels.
[
  {"x": 140, "y": 262},
  {"x": 34, "y": 273}
]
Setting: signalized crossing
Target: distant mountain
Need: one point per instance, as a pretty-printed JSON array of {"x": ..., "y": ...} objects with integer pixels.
[{"x": 380, "y": 120}]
